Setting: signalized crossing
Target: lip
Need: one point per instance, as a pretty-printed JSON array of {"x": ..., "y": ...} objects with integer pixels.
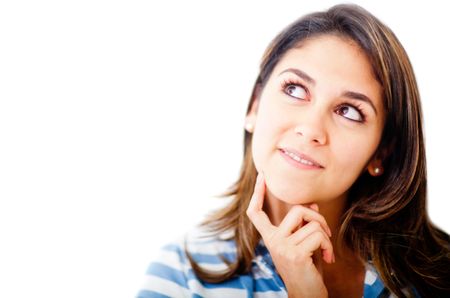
[{"x": 316, "y": 165}]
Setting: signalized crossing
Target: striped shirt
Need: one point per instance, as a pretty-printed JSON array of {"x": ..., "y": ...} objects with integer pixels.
[{"x": 171, "y": 275}]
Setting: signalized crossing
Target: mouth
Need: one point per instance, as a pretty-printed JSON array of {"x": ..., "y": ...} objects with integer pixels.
[{"x": 300, "y": 158}]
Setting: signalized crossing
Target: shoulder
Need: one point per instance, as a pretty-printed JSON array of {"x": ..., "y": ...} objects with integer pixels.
[{"x": 171, "y": 273}]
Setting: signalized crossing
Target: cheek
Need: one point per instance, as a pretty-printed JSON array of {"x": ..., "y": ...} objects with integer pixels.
[
  {"x": 262, "y": 142},
  {"x": 268, "y": 129},
  {"x": 349, "y": 163},
  {"x": 352, "y": 156}
]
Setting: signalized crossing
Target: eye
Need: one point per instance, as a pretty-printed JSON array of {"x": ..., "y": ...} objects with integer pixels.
[
  {"x": 295, "y": 90},
  {"x": 351, "y": 113}
]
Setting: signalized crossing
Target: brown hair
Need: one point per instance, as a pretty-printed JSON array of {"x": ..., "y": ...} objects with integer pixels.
[{"x": 386, "y": 217}]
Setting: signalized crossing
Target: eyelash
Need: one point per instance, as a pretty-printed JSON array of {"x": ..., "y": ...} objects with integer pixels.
[{"x": 358, "y": 107}]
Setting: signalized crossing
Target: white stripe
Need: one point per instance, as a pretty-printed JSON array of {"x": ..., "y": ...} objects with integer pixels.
[
  {"x": 214, "y": 267},
  {"x": 197, "y": 288},
  {"x": 211, "y": 248},
  {"x": 164, "y": 286},
  {"x": 371, "y": 275},
  {"x": 370, "y": 278},
  {"x": 263, "y": 267},
  {"x": 270, "y": 294},
  {"x": 258, "y": 273}
]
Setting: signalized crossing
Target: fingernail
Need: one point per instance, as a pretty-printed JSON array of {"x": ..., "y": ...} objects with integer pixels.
[
  {"x": 330, "y": 258},
  {"x": 329, "y": 231}
]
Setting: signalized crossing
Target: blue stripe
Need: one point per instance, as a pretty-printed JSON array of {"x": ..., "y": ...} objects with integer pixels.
[
  {"x": 213, "y": 259},
  {"x": 266, "y": 284},
  {"x": 373, "y": 290},
  {"x": 150, "y": 294},
  {"x": 167, "y": 273},
  {"x": 177, "y": 276}
]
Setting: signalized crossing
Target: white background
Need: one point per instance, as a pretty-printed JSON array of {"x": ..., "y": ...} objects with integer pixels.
[{"x": 120, "y": 121}]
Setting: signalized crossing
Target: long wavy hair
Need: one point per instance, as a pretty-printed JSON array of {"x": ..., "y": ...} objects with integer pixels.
[{"x": 385, "y": 219}]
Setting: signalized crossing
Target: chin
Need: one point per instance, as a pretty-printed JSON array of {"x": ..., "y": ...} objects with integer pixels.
[{"x": 291, "y": 195}]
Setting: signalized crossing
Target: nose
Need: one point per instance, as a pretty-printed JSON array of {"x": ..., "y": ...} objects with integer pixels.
[{"x": 312, "y": 130}]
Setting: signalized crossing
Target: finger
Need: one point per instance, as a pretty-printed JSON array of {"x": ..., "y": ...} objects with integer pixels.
[
  {"x": 255, "y": 212},
  {"x": 316, "y": 241},
  {"x": 296, "y": 215},
  {"x": 302, "y": 233},
  {"x": 257, "y": 200}
]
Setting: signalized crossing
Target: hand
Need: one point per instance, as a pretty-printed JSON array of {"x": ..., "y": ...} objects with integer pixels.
[{"x": 294, "y": 244}]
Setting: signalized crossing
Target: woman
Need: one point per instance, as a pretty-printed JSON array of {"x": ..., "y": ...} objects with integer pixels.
[{"x": 331, "y": 200}]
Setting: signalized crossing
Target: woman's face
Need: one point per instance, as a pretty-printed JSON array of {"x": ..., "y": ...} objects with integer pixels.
[{"x": 322, "y": 104}]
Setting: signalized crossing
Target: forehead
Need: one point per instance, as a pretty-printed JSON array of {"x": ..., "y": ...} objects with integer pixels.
[{"x": 333, "y": 62}]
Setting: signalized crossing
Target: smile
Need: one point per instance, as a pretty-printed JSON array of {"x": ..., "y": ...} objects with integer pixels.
[
  {"x": 300, "y": 160},
  {"x": 303, "y": 161}
]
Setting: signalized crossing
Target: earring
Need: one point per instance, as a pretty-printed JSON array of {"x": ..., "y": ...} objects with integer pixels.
[
  {"x": 378, "y": 171},
  {"x": 249, "y": 127}
]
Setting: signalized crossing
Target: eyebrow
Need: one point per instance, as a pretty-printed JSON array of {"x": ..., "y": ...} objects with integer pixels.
[
  {"x": 348, "y": 94},
  {"x": 360, "y": 96},
  {"x": 301, "y": 74}
]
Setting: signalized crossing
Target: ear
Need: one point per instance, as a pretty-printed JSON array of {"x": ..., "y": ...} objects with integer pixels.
[
  {"x": 375, "y": 166},
  {"x": 250, "y": 119}
]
